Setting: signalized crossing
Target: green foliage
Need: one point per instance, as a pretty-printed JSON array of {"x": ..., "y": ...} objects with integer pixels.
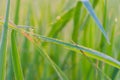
[
  {"x": 59, "y": 39},
  {"x": 3, "y": 44},
  {"x": 15, "y": 55}
]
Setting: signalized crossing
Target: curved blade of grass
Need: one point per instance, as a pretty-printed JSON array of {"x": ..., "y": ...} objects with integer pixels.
[
  {"x": 75, "y": 36},
  {"x": 60, "y": 23},
  {"x": 102, "y": 44},
  {"x": 16, "y": 59},
  {"x": 92, "y": 13},
  {"x": 87, "y": 17},
  {"x": 115, "y": 70},
  {"x": 45, "y": 55},
  {"x": 89, "y": 52},
  {"x": 3, "y": 44},
  {"x": 55, "y": 67},
  {"x": 15, "y": 55}
]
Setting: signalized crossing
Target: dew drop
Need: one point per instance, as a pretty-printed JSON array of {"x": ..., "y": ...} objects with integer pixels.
[
  {"x": 116, "y": 20},
  {"x": 58, "y": 17}
]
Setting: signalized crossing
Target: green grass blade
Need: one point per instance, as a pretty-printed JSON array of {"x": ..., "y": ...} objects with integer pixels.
[
  {"x": 10, "y": 73},
  {"x": 95, "y": 3},
  {"x": 25, "y": 50},
  {"x": 16, "y": 19},
  {"x": 114, "y": 73},
  {"x": 15, "y": 55},
  {"x": 87, "y": 17},
  {"x": 76, "y": 22},
  {"x": 50, "y": 61},
  {"x": 3, "y": 45},
  {"x": 115, "y": 70},
  {"x": 89, "y": 52},
  {"x": 16, "y": 58},
  {"x": 102, "y": 45},
  {"x": 60, "y": 23},
  {"x": 75, "y": 36},
  {"x": 92, "y": 13},
  {"x": 55, "y": 67}
]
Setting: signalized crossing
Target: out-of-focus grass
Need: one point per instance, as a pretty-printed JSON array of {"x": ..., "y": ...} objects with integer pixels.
[
  {"x": 68, "y": 23},
  {"x": 3, "y": 43}
]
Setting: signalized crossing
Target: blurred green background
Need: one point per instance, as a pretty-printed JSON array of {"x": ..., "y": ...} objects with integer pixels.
[{"x": 41, "y": 15}]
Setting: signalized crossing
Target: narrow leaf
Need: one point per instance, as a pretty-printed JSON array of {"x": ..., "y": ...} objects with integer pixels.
[
  {"x": 61, "y": 22},
  {"x": 3, "y": 45},
  {"x": 15, "y": 55},
  {"x": 92, "y": 13},
  {"x": 46, "y": 56},
  {"x": 16, "y": 58},
  {"x": 50, "y": 61},
  {"x": 89, "y": 52}
]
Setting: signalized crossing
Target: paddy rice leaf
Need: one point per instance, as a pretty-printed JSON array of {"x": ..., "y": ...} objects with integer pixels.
[
  {"x": 16, "y": 59},
  {"x": 88, "y": 51},
  {"x": 52, "y": 63},
  {"x": 43, "y": 53},
  {"x": 3, "y": 44},
  {"x": 15, "y": 55},
  {"x": 92, "y": 13},
  {"x": 59, "y": 24}
]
